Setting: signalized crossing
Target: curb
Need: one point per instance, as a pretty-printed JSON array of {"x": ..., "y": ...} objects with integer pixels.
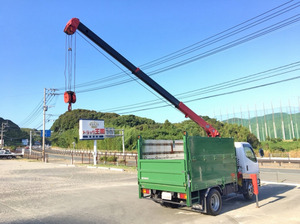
[
  {"x": 67, "y": 165},
  {"x": 106, "y": 168},
  {"x": 94, "y": 167},
  {"x": 287, "y": 184}
]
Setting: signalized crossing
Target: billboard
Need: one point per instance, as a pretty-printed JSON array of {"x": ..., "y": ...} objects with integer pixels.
[{"x": 91, "y": 129}]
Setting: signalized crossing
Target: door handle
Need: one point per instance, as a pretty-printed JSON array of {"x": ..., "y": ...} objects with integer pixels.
[{"x": 247, "y": 167}]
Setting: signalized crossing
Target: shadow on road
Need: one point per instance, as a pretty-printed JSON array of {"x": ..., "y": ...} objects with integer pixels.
[{"x": 273, "y": 192}]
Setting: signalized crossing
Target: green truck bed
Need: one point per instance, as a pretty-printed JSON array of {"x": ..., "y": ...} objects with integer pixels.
[{"x": 187, "y": 166}]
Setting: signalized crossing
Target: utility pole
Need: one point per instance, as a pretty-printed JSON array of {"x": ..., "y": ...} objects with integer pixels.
[
  {"x": 257, "y": 127},
  {"x": 266, "y": 129},
  {"x": 45, "y": 108},
  {"x": 233, "y": 115},
  {"x": 241, "y": 116},
  {"x": 123, "y": 141},
  {"x": 292, "y": 124},
  {"x": 249, "y": 120},
  {"x": 274, "y": 126},
  {"x": 3, "y": 126},
  {"x": 282, "y": 123},
  {"x": 44, "y": 124},
  {"x": 30, "y": 142}
]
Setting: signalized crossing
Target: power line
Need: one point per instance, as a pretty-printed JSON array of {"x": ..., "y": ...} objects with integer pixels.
[
  {"x": 220, "y": 86},
  {"x": 128, "y": 74},
  {"x": 211, "y": 41},
  {"x": 37, "y": 111},
  {"x": 216, "y": 95},
  {"x": 214, "y": 39},
  {"x": 262, "y": 18},
  {"x": 213, "y": 51},
  {"x": 231, "y": 44}
]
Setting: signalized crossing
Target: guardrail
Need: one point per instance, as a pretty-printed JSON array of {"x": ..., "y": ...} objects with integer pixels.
[
  {"x": 86, "y": 156},
  {"x": 279, "y": 160}
]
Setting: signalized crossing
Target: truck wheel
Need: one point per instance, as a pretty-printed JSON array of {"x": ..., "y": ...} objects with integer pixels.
[
  {"x": 214, "y": 202},
  {"x": 248, "y": 194}
]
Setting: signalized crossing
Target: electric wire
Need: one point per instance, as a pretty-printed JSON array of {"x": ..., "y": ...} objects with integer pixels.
[
  {"x": 217, "y": 95},
  {"x": 36, "y": 113},
  {"x": 221, "y": 86},
  {"x": 32, "y": 115},
  {"x": 216, "y": 87},
  {"x": 231, "y": 44},
  {"x": 187, "y": 50},
  {"x": 213, "y": 51},
  {"x": 207, "y": 53},
  {"x": 218, "y": 34},
  {"x": 127, "y": 73},
  {"x": 222, "y": 37}
]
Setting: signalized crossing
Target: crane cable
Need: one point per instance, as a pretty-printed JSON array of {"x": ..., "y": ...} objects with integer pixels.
[{"x": 70, "y": 73}]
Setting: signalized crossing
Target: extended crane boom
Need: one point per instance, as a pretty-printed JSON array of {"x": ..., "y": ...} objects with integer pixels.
[{"x": 74, "y": 24}]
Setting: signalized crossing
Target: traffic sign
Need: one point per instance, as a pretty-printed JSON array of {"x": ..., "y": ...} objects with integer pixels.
[{"x": 47, "y": 133}]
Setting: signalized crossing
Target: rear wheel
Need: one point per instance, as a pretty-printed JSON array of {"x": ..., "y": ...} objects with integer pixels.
[
  {"x": 248, "y": 193},
  {"x": 214, "y": 202}
]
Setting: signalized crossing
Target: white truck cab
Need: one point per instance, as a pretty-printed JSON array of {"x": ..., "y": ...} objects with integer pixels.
[{"x": 246, "y": 159}]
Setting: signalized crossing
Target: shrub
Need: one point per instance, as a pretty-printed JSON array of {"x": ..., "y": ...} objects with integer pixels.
[
  {"x": 109, "y": 158},
  {"x": 112, "y": 159}
]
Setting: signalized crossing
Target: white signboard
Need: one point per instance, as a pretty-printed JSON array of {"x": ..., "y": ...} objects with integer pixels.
[
  {"x": 91, "y": 129},
  {"x": 109, "y": 132}
]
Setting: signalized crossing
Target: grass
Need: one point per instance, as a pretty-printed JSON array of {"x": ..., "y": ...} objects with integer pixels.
[{"x": 281, "y": 146}]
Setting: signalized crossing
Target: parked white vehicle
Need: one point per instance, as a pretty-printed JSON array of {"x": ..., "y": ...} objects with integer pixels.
[{"x": 6, "y": 153}]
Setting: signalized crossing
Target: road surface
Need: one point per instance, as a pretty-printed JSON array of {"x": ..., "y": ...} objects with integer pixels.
[{"x": 35, "y": 192}]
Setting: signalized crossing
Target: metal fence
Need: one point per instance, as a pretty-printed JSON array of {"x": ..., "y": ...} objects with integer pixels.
[
  {"x": 84, "y": 157},
  {"x": 128, "y": 159}
]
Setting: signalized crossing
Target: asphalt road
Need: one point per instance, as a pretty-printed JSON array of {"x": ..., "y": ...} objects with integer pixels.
[
  {"x": 280, "y": 175},
  {"x": 35, "y": 192}
]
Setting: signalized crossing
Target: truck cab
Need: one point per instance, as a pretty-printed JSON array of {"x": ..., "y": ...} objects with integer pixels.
[{"x": 246, "y": 160}]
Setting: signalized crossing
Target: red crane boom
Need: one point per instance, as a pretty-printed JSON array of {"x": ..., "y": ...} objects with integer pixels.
[{"x": 74, "y": 24}]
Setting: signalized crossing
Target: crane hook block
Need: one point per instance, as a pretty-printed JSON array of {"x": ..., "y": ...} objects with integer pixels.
[
  {"x": 69, "y": 97},
  {"x": 71, "y": 26}
]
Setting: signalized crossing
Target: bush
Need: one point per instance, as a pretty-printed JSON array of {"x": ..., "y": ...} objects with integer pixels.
[
  {"x": 279, "y": 149},
  {"x": 109, "y": 158},
  {"x": 103, "y": 158},
  {"x": 112, "y": 159}
]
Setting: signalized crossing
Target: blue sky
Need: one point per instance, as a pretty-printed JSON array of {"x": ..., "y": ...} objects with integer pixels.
[{"x": 32, "y": 55}]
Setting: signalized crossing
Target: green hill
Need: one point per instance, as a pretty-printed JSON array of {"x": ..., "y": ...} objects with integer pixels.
[
  {"x": 12, "y": 134},
  {"x": 65, "y": 130},
  {"x": 291, "y": 129}
]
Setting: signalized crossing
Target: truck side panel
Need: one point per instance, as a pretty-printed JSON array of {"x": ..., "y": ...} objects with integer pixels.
[
  {"x": 212, "y": 162},
  {"x": 166, "y": 175}
]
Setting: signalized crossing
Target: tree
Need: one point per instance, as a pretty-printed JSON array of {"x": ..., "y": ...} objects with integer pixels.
[
  {"x": 253, "y": 140},
  {"x": 66, "y": 129}
]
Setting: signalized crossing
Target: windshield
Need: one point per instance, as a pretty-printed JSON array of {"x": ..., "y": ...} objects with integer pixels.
[{"x": 249, "y": 153}]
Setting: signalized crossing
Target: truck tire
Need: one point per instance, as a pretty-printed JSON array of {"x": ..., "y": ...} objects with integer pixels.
[
  {"x": 214, "y": 202},
  {"x": 248, "y": 192}
]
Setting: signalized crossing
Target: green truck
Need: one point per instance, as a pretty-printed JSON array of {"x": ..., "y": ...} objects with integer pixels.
[{"x": 195, "y": 172}]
